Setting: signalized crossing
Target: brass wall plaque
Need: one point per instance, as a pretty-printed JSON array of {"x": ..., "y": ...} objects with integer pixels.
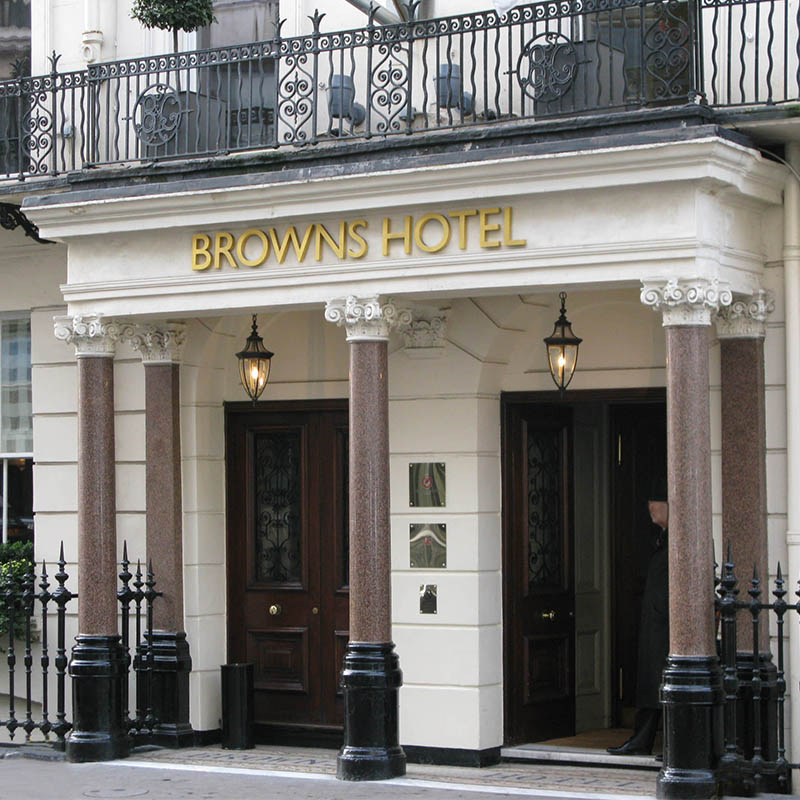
[
  {"x": 427, "y": 485},
  {"x": 427, "y": 544},
  {"x": 427, "y": 598}
]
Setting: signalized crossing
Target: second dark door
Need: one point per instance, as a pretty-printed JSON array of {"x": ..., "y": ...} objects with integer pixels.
[
  {"x": 288, "y": 558},
  {"x": 538, "y": 564}
]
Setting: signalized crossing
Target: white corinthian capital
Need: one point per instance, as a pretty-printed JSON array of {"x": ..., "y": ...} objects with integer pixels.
[
  {"x": 92, "y": 335},
  {"x": 366, "y": 319},
  {"x": 746, "y": 318},
  {"x": 686, "y": 302},
  {"x": 159, "y": 344}
]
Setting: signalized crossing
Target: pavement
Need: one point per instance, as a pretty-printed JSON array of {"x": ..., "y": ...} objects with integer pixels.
[
  {"x": 272, "y": 773},
  {"x": 264, "y": 773}
]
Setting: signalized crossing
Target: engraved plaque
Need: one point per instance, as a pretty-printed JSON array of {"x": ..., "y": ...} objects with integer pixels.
[
  {"x": 427, "y": 545},
  {"x": 426, "y": 484},
  {"x": 427, "y": 598}
]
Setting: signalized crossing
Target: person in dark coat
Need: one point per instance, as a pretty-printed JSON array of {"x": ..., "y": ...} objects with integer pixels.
[{"x": 653, "y": 633}]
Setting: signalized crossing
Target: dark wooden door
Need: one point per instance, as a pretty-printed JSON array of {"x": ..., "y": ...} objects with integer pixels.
[
  {"x": 639, "y": 447},
  {"x": 288, "y": 557},
  {"x": 538, "y": 562}
]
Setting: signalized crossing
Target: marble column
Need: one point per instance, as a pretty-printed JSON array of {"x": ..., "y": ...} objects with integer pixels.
[
  {"x": 160, "y": 347},
  {"x": 97, "y": 664},
  {"x": 691, "y": 689},
  {"x": 371, "y": 675}
]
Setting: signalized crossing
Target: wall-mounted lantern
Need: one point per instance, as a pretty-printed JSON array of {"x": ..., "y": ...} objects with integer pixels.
[
  {"x": 254, "y": 364},
  {"x": 562, "y": 348}
]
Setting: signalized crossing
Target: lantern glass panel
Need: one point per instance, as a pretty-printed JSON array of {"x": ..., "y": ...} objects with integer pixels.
[{"x": 562, "y": 358}]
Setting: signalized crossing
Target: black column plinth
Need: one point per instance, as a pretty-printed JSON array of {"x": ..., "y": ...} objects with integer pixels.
[
  {"x": 371, "y": 679},
  {"x": 692, "y": 699},
  {"x": 170, "y": 686},
  {"x": 97, "y": 670}
]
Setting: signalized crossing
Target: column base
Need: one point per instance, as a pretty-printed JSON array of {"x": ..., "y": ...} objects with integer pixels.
[
  {"x": 97, "y": 669},
  {"x": 172, "y": 664},
  {"x": 371, "y": 679},
  {"x": 692, "y": 698}
]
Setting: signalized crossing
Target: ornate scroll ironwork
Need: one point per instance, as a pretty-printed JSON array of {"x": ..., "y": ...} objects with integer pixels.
[
  {"x": 157, "y": 115},
  {"x": 278, "y": 512},
  {"x": 541, "y": 58},
  {"x": 547, "y": 66},
  {"x": 667, "y": 50}
]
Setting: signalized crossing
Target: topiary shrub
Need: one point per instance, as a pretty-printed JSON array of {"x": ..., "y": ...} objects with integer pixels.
[{"x": 174, "y": 15}]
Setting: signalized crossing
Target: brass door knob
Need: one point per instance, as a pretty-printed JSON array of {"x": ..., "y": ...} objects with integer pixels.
[
  {"x": 275, "y": 610},
  {"x": 551, "y": 615},
  {"x": 315, "y": 610}
]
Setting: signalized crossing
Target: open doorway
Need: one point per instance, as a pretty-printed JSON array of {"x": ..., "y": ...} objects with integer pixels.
[{"x": 576, "y": 474}]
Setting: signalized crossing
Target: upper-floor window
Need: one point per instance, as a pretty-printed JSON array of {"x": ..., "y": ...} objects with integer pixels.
[
  {"x": 15, "y": 38},
  {"x": 239, "y": 22}
]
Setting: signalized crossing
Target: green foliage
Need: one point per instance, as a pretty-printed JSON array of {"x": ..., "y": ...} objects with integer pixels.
[
  {"x": 14, "y": 551},
  {"x": 16, "y": 560},
  {"x": 174, "y": 15}
]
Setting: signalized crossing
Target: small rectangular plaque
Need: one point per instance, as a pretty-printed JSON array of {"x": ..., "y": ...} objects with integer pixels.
[
  {"x": 427, "y": 545},
  {"x": 427, "y": 485},
  {"x": 427, "y": 598}
]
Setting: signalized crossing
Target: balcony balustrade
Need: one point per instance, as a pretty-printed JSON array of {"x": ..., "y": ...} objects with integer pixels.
[{"x": 557, "y": 58}]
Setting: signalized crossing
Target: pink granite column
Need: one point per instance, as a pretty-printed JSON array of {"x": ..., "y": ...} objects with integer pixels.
[
  {"x": 691, "y": 557},
  {"x": 97, "y": 665},
  {"x": 740, "y": 329},
  {"x": 160, "y": 347},
  {"x": 371, "y": 676},
  {"x": 741, "y": 332},
  {"x": 97, "y": 502},
  {"x": 370, "y": 557},
  {"x": 691, "y": 689}
]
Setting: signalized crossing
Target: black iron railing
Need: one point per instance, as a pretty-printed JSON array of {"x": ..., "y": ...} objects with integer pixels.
[
  {"x": 754, "y": 758},
  {"x": 31, "y": 610},
  {"x": 20, "y": 596},
  {"x": 540, "y": 60}
]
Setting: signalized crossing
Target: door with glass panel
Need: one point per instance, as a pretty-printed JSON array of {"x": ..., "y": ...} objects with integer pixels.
[
  {"x": 539, "y": 584},
  {"x": 288, "y": 558}
]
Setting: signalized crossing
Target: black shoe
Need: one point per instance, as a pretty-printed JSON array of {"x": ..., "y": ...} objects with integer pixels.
[
  {"x": 633, "y": 747},
  {"x": 641, "y": 743}
]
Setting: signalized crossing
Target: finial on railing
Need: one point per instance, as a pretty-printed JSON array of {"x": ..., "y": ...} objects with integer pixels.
[
  {"x": 316, "y": 20},
  {"x": 277, "y": 21},
  {"x": 54, "y": 59},
  {"x": 411, "y": 7},
  {"x": 373, "y": 11}
]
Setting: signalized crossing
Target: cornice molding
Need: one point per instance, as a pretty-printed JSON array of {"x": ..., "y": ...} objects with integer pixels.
[
  {"x": 366, "y": 319},
  {"x": 711, "y": 161},
  {"x": 686, "y": 301},
  {"x": 92, "y": 335},
  {"x": 746, "y": 318}
]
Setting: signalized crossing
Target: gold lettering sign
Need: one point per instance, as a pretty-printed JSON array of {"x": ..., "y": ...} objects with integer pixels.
[{"x": 486, "y": 228}]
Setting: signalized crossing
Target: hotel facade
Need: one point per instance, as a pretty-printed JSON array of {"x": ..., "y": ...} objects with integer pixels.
[{"x": 396, "y": 201}]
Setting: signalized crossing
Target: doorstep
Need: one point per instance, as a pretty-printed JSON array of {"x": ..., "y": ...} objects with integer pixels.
[{"x": 559, "y": 754}]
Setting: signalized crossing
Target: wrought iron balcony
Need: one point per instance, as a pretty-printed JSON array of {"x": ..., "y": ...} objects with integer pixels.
[{"x": 543, "y": 60}]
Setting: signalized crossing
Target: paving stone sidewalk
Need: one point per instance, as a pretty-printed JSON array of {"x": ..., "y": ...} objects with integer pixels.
[{"x": 587, "y": 780}]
